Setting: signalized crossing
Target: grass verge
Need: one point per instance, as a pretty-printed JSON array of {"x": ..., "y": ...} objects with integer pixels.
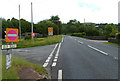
[
  {"x": 12, "y": 73},
  {"x": 111, "y": 43},
  {"x": 40, "y": 42}
]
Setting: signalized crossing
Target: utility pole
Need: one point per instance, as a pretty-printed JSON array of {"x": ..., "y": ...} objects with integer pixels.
[
  {"x": 19, "y": 24},
  {"x": 31, "y": 20},
  {"x": 84, "y": 20}
]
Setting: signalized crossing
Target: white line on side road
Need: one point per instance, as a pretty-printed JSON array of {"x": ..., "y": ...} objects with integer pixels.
[
  {"x": 54, "y": 64},
  {"x": 98, "y": 50},
  {"x": 45, "y": 64},
  {"x": 50, "y": 56},
  {"x": 59, "y": 75},
  {"x": 47, "y": 60}
]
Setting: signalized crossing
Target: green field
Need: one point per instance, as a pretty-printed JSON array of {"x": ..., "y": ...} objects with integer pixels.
[
  {"x": 17, "y": 63},
  {"x": 39, "y": 41}
]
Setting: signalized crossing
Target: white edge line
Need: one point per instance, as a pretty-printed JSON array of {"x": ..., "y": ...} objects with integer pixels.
[
  {"x": 98, "y": 50},
  {"x": 59, "y": 75}
]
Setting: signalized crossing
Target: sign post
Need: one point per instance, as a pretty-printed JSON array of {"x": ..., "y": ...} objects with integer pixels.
[
  {"x": 50, "y": 31},
  {"x": 11, "y": 36}
]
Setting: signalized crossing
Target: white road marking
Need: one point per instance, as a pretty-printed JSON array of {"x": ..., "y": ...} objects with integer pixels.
[
  {"x": 55, "y": 60},
  {"x": 47, "y": 60},
  {"x": 58, "y": 50},
  {"x": 56, "y": 57},
  {"x": 54, "y": 64},
  {"x": 116, "y": 58},
  {"x": 57, "y": 54},
  {"x": 45, "y": 64},
  {"x": 80, "y": 42},
  {"x": 50, "y": 56},
  {"x": 62, "y": 39},
  {"x": 98, "y": 50},
  {"x": 59, "y": 75}
]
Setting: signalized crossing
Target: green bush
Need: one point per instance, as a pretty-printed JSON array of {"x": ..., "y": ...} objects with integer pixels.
[
  {"x": 27, "y": 37},
  {"x": 118, "y": 36},
  {"x": 78, "y": 34}
]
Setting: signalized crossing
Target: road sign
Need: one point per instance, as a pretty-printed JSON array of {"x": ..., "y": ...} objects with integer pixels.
[
  {"x": 50, "y": 31},
  {"x": 9, "y": 46},
  {"x": 8, "y": 61},
  {"x": 11, "y": 35},
  {"x": 33, "y": 34}
]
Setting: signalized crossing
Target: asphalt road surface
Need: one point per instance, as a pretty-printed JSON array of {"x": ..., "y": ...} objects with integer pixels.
[{"x": 75, "y": 58}]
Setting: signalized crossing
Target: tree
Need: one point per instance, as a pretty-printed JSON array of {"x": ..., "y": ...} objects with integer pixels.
[
  {"x": 110, "y": 30},
  {"x": 57, "y": 22},
  {"x": 42, "y": 27}
]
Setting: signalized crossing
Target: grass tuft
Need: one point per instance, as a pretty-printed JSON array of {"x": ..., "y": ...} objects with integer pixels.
[
  {"x": 40, "y": 41},
  {"x": 17, "y": 63},
  {"x": 112, "y": 43}
]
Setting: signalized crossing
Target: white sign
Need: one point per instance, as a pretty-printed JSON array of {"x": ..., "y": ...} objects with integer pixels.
[
  {"x": 9, "y": 46},
  {"x": 8, "y": 61}
]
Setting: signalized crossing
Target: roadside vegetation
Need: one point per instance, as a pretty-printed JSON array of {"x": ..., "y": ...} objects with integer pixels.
[
  {"x": 17, "y": 63},
  {"x": 39, "y": 41},
  {"x": 112, "y": 43}
]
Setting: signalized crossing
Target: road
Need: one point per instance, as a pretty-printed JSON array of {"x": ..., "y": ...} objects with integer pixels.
[{"x": 76, "y": 58}]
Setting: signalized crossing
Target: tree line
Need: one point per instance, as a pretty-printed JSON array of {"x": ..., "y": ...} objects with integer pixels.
[{"x": 73, "y": 26}]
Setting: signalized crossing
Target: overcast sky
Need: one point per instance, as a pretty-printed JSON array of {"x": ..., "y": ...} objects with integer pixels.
[{"x": 96, "y": 11}]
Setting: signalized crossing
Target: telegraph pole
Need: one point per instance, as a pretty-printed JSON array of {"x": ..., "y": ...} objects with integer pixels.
[
  {"x": 19, "y": 24},
  {"x": 84, "y": 20},
  {"x": 31, "y": 20}
]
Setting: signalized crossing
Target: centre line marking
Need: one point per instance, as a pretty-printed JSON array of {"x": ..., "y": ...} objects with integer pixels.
[
  {"x": 56, "y": 56},
  {"x": 50, "y": 56},
  {"x": 54, "y": 64},
  {"x": 98, "y": 50},
  {"x": 59, "y": 75},
  {"x": 55, "y": 60}
]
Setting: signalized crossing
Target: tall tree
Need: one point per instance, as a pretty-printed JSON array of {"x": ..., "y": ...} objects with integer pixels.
[{"x": 57, "y": 22}]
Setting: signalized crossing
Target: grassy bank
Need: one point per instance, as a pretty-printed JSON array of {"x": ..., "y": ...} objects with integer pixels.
[
  {"x": 40, "y": 42},
  {"x": 12, "y": 73},
  {"x": 112, "y": 43}
]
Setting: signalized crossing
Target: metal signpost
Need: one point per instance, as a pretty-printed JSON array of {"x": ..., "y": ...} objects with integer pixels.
[
  {"x": 50, "y": 31},
  {"x": 11, "y": 36}
]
